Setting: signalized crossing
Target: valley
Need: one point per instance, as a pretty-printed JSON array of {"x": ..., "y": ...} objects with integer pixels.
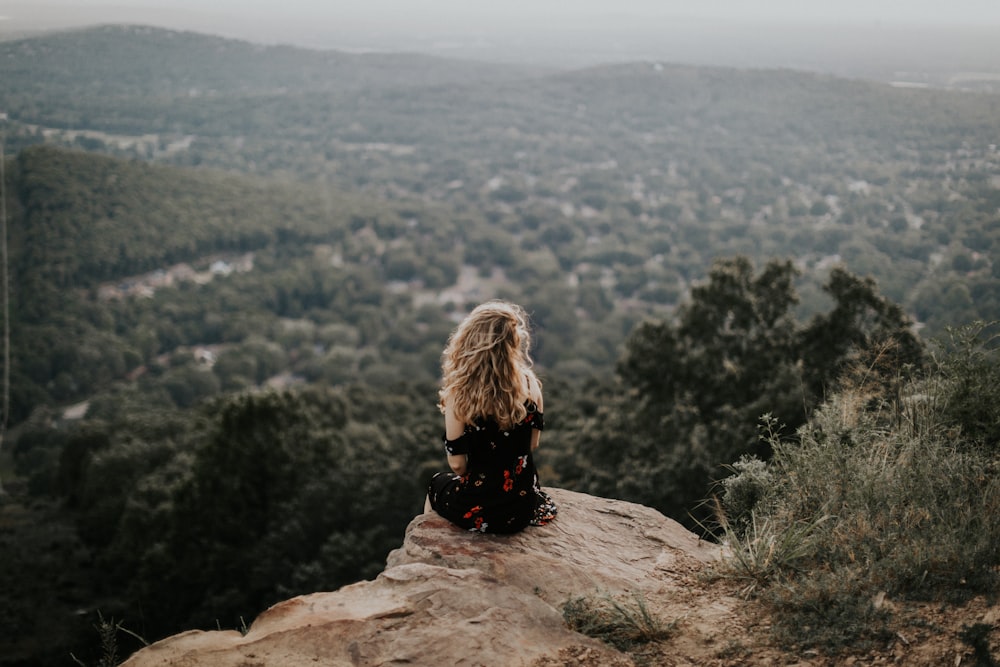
[{"x": 228, "y": 311}]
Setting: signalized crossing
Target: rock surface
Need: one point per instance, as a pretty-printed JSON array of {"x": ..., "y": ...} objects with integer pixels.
[{"x": 450, "y": 597}]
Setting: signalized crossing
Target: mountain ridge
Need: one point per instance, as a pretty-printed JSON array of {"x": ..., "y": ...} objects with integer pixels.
[{"x": 193, "y": 63}]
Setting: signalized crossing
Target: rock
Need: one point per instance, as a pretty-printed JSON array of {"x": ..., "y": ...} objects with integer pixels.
[
  {"x": 595, "y": 544},
  {"x": 451, "y": 597}
]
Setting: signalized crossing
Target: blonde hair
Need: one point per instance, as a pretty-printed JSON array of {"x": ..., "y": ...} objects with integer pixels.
[{"x": 486, "y": 367}]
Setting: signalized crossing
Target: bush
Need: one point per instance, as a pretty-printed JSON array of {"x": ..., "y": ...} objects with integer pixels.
[
  {"x": 971, "y": 375},
  {"x": 885, "y": 492},
  {"x": 751, "y": 482}
]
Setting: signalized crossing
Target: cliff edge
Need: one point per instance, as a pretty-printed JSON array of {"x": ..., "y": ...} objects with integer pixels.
[{"x": 450, "y": 597}]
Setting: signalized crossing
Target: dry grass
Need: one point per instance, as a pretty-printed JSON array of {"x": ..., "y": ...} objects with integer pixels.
[
  {"x": 625, "y": 624},
  {"x": 885, "y": 492}
]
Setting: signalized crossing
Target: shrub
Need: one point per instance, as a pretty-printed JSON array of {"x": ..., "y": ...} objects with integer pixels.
[
  {"x": 751, "y": 482},
  {"x": 886, "y": 491},
  {"x": 767, "y": 549},
  {"x": 971, "y": 377}
]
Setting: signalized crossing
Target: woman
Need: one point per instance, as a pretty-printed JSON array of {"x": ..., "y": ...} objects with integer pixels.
[{"x": 492, "y": 405}]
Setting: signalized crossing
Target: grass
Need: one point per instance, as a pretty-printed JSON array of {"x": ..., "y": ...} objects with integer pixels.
[
  {"x": 888, "y": 491},
  {"x": 767, "y": 550},
  {"x": 627, "y": 625}
]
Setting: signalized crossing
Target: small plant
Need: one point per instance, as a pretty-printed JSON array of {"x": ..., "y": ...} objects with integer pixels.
[
  {"x": 107, "y": 631},
  {"x": 766, "y": 550},
  {"x": 743, "y": 491},
  {"x": 624, "y": 625}
]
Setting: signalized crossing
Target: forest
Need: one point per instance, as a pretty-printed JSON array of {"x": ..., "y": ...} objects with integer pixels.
[{"x": 233, "y": 269}]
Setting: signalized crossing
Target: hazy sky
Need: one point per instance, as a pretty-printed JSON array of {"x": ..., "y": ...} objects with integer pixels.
[
  {"x": 871, "y": 38},
  {"x": 422, "y": 11}
]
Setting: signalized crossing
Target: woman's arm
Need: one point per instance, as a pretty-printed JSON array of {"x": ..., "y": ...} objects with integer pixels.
[
  {"x": 458, "y": 463},
  {"x": 453, "y": 428},
  {"x": 535, "y": 392}
]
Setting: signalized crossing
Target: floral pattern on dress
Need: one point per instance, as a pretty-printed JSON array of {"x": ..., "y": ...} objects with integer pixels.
[{"x": 499, "y": 492}]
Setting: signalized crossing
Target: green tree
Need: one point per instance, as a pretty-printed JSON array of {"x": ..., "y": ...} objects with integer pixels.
[
  {"x": 695, "y": 387},
  {"x": 287, "y": 493},
  {"x": 863, "y": 328}
]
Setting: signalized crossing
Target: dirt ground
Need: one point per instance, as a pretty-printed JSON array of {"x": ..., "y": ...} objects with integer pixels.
[{"x": 713, "y": 626}]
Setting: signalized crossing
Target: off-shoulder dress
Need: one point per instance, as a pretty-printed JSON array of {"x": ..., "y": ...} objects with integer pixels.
[{"x": 499, "y": 492}]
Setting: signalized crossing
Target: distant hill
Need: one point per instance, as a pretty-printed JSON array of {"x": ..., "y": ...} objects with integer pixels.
[
  {"x": 620, "y": 163},
  {"x": 135, "y": 80},
  {"x": 601, "y": 194},
  {"x": 942, "y": 53},
  {"x": 79, "y": 218},
  {"x": 116, "y": 61},
  {"x": 84, "y": 229}
]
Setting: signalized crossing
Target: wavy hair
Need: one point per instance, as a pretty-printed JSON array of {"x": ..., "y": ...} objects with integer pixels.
[{"x": 486, "y": 366}]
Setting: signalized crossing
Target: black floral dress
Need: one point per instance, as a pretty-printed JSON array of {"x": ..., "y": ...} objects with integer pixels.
[{"x": 499, "y": 492}]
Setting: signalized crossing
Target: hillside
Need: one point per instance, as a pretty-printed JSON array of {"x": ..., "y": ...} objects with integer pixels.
[
  {"x": 122, "y": 61},
  {"x": 648, "y": 170},
  {"x": 79, "y": 219},
  {"x": 86, "y": 230},
  {"x": 213, "y": 271}
]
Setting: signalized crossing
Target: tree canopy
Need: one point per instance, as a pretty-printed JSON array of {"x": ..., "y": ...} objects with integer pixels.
[{"x": 695, "y": 387}]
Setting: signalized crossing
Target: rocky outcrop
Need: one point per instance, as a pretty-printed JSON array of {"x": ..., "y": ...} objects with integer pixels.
[{"x": 450, "y": 597}]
